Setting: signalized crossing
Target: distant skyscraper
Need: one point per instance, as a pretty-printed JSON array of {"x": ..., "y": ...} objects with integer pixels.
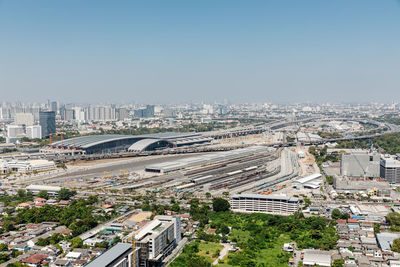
[
  {"x": 148, "y": 112},
  {"x": 54, "y": 107},
  {"x": 47, "y": 120}
]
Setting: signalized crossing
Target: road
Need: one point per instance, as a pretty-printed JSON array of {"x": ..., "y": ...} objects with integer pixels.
[{"x": 223, "y": 253}]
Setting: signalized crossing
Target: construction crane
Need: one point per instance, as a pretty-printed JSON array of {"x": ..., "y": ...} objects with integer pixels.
[
  {"x": 107, "y": 174},
  {"x": 123, "y": 173},
  {"x": 133, "y": 242}
]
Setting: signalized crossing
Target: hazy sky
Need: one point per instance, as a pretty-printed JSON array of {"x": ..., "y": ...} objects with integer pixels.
[{"x": 200, "y": 50}]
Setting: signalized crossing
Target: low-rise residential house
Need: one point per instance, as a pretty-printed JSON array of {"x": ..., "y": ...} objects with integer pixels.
[
  {"x": 61, "y": 263},
  {"x": 91, "y": 242},
  {"x": 73, "y": 255},
  {"x": 35, "y": 260}
]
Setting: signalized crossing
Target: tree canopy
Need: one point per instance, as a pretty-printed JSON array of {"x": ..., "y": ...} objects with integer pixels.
[{"x": 220, "y": 204}]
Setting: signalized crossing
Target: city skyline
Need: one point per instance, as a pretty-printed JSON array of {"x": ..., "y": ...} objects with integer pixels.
[{"x": 176, "y": 52}]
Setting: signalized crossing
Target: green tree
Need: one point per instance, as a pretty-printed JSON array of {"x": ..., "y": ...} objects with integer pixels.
[
  {"x": 338, "y": 263},
  {"x": 21, "y": 193},
  {"x": 77, "y": 242},
  {"x": 336, "y": 214},
  {"x": 175, "y": 207},
  {"x": 4, "y": 257},
  {"x": 92, "y": 199},
  {"x": 3, "y": 247},
  {"x": 208, "y": 195},
  {"x": 43, "y": 242},
  {"x": 224, "y": 229},
  {"x": 43, "y": 194},
  {"x": 15, "y": 253},
  {"x": 329, "y": 179},
  {"x": 62, "y": 166},
  {"x": 17, "y": 264},
  {"x": 65, "y": 194},
  {"x": 396, "y": 245},
  {"x": 220, "y": 204},
  {"x": 377, "y": 228}
]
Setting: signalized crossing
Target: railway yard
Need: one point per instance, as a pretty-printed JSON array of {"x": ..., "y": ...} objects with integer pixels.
[
  {"x": 256, "y": 169},
  {"x": 252, "y": 164}
]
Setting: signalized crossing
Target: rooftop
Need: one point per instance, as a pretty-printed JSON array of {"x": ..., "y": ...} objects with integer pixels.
[
  {"x": 110, "y": 255},
  {"x": 270, "y": 197}
]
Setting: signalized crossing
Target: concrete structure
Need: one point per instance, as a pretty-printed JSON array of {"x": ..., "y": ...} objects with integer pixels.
[
  {"x": 121, "y": 255},
  {"x": 272, "y": 204},
  {"x": 24, "y": 119},
  {"x": 360, "y": 164},
  {"x": 35, "y": 189},
  {"x": 312, "y": 181},
  {"x": 47, "y": 120},
  {"x": 34, "y": 132},
  {"x": 157, "y": 239},
  {"x": 390, "y": 169}
]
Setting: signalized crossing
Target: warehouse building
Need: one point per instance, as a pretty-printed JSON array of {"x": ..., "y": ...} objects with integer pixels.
[
  {"x": 272, "y": 204},
  {"x": 35, "y": 189},
  {"x": 25, "y": 166},
  {"x": 121, "y": 255},
  {"x": 312, "y": 182}
]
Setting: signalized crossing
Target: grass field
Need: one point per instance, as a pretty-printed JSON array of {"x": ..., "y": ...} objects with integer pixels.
[{"x": 211, "y": 247}]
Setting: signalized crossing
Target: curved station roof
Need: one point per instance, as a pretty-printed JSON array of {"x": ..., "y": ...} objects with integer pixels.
[{"x": 115, "y": 142}]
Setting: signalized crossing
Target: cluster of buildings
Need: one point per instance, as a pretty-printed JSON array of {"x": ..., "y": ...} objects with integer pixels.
[
  {"x": 148, "y": 247},
  {"x": 371, "y": 164},
  {"x": 359, "y": 245},
  {"x": 25, "y": 125}
]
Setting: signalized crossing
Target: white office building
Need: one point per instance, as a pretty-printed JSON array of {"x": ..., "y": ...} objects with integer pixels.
[
  {"x": 23, "y": 119},
  {"x": 157, "y": 239},
  {"x": 272, "y": 204},
  {"x": 15, "y": 131},
  {"x": 34, "y": 132}
]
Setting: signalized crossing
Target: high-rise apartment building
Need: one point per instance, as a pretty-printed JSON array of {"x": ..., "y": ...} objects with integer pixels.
[
  {"x": 34, "y": 132},
  {"x": 157, "y": 240},
  {"x": 390, "y": 169}
]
